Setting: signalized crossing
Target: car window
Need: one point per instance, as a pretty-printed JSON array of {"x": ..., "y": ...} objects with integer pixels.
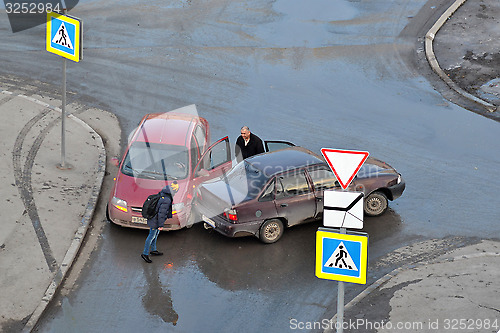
[
  {"x": 195, "y": 153},
  {"x": 218, "y": 155},
  {"x": 268, "y": 194},
  {"x": 291, "y": 185},
  {"x": 276, "y": 145},
  {"x": 323, "y": 179}
]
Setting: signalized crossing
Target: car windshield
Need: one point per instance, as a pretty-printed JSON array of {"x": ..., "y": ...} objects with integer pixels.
[
  {"x": 156, "y": 161},
  {"x": 246, "y": 179}
]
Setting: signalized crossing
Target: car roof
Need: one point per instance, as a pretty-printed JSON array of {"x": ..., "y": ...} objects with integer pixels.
[
  {"x": 283, "y": 160},
  {"x": 167, "y": 128}
]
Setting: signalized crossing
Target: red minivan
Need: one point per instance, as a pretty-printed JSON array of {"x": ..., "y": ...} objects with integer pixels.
[{"x": 164, "y": 148}]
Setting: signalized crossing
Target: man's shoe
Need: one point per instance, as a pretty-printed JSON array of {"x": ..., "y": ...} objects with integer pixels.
[
  {"x": 146, "y": 258},
  {"x": 156, "y": 253}
]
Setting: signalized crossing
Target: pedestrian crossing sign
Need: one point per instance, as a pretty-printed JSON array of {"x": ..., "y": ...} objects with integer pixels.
[
  {"x": 64, "y": 36},
  {"x": 341, "y": 257}
]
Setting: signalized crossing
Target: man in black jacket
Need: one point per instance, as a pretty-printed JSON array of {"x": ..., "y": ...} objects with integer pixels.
[
  {"x": 248, "y": 144},
  {"x": 155, "y": 224}
]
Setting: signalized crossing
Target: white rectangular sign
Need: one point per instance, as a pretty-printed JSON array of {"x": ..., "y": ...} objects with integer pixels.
[{"x": 343, "y": 209}]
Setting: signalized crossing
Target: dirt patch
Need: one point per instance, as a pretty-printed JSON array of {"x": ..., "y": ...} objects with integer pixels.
[
  {"x": 467, "y": 49},
  {"x": 476, "y": 71}
]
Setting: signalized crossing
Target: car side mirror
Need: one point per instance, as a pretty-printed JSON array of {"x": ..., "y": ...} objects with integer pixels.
[
  {"x": 203, "y": 173},
  {"x": 115, "y": 161}
]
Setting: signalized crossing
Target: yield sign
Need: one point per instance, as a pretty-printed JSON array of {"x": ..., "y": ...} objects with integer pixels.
[{"x": 345, "y": 164}]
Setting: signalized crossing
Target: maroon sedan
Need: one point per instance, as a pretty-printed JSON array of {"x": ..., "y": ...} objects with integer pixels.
[{"x": 268, "y": 192}]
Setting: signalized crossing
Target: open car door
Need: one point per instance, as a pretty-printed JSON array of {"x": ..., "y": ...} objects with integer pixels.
[
  {"x": 215, "y": 161},
  {"x": 272, "y": 145}
]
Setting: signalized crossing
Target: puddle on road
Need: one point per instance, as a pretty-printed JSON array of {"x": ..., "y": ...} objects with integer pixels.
[
  {"x": 490, "y": 91},
  {"x": 317, "y": 10},
  {"x": 299, "y": 27}
]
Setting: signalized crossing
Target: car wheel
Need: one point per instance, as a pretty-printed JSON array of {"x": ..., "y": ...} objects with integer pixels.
[
  {"x": 376, "y": 204},
  {"x": 271, "y": 231}
]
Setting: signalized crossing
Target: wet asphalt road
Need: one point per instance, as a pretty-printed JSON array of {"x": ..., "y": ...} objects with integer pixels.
[{"x": 333, "y": 74}]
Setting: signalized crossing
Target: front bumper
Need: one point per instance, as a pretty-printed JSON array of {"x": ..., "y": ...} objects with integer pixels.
[
  {"x": 397, "y": 190},
  {"x": 130, "y": 224},
  {"x": 127, "y": 219}
]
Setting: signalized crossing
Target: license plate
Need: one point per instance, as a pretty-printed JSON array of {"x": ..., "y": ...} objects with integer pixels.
[
  {"x": 141, "y": 220},
  {"x": 208, "y": 221}
]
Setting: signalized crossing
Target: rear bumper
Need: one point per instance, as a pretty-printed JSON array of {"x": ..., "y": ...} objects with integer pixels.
[{"x": 231, "y": 229}]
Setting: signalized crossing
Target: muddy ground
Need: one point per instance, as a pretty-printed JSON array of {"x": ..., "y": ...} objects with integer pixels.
[{"x": 467, "y": 48}]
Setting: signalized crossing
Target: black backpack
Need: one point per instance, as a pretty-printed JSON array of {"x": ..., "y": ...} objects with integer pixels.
[{"x": 149, "y": 206}]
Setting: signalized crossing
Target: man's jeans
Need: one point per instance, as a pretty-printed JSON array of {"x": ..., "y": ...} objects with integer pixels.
[{"x": 151, "y": 241}]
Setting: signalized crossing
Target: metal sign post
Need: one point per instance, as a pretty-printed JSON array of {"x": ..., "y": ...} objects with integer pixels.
[
  {"x": 63, "y": 119},
  {"x": 340, "y": 300},
  {"x": 63, "y": 108},
  {"x": 341, "y": 287},
  {"x": 341, "y": 256},
  {"x": 343, "y": 209},
  {"x": 64, "y": 38}
]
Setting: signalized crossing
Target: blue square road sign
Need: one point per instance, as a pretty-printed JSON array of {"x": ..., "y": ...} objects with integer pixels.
[
  {"x": 63, "y": 37},
  {"x": 341, "y": 257}
]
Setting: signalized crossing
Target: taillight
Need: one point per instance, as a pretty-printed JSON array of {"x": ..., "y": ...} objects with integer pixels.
[{"x": 231, "y": 214}]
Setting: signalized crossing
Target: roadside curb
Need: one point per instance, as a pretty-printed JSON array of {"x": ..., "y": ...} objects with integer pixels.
[
  {"x": 398, "y": 270},
  {"x": 84, "y": 223},
  {"x": 431, "y": 57}
]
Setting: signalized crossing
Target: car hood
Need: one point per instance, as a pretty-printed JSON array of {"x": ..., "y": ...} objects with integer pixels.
[
  {"x": 135, "y": 190},
  {"x": 373, "y": 167}
]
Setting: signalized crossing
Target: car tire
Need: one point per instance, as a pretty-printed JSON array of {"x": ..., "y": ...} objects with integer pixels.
[
  {"x": 376, "y": 204},
  {"x": 271, "y": 231}
]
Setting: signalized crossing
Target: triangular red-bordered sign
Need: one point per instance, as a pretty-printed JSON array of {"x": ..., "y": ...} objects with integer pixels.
[{"x": 345, "y": 164}]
